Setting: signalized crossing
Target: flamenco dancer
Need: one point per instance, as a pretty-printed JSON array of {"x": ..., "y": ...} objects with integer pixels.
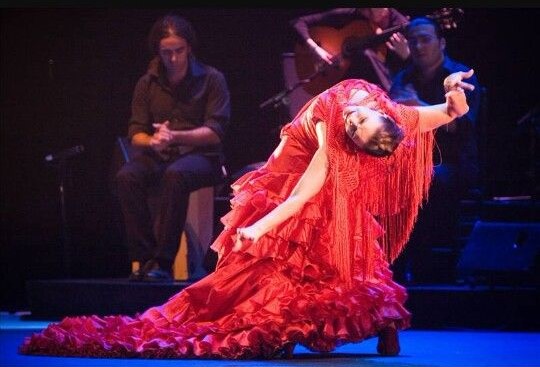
[{"x": 305, "y": 252}]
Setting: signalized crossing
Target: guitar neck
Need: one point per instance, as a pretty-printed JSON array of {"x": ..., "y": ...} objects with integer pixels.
[
  {"x": 444, "y": 17},
  {"x": 376, "y": 39}
]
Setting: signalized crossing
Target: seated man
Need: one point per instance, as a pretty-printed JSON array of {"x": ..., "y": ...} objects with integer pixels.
[{"x": 180, "y": 111}]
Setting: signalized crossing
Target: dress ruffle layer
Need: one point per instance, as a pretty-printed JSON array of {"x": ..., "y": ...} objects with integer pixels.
[
  {"x": 279, "y": 292},
  {"x": 258, "y": 193}
]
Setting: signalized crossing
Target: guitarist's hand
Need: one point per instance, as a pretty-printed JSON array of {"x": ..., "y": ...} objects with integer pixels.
[
  {"x": 324, "y": 55},
  {"x": 398, "y": 43},
  {"x": 320, "y": 52}
]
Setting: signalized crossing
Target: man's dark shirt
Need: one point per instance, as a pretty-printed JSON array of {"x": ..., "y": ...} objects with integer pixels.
[{"x": 201, "y": 99}]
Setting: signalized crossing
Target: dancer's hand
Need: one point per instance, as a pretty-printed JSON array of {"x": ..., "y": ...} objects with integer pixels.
[
  {"x": 455, "y": 87},
  {"x": 456, "y": 103},
  {"x": 455, "y": 81},
  {"x": 246, "y": 236}
]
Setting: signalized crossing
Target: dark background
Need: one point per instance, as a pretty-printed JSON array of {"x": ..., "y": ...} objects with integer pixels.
[{"x": 67, "y": 79}]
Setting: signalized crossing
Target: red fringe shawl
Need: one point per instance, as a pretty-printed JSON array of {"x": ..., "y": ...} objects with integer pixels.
[{"x": 362, "y": 188}]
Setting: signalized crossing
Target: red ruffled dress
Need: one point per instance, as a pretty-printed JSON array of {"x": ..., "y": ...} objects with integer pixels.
[{"x": 320, "y": 279}]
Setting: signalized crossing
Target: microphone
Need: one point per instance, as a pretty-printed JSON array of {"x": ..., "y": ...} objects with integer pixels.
[
  {"x": 64, "y": 154},
  {"x": 275, "y": 100},
  {"x": 50, "y": 64}
]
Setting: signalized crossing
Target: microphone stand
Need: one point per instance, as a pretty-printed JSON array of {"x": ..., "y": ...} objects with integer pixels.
[
  {"x": 66, "y": 237},
  {"x": 60, "y": 162},
  {"x": 529, "y": 123},
  {"x": 279, "y": 98}
]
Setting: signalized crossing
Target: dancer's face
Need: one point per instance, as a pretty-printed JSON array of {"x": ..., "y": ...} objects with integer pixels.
[{"x": 361, "y": 124}]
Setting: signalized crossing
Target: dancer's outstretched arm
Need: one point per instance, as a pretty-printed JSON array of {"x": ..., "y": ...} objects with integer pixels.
[
  {"x": 431, "y": 117},
  {"x": 308, "y": 186}
]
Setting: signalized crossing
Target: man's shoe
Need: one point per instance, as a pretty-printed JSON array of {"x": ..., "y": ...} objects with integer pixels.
[
  {"x": 158, "y": 275},
  {"x": 136, "y": 276}
]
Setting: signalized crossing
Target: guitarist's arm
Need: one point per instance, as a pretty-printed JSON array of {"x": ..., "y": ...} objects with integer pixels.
[
  {"x": 332, "y": 18},
  {"x": 397, "y": 43}
]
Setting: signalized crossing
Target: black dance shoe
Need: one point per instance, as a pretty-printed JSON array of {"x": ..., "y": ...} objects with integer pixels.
[{"x": 388, "y": 343}]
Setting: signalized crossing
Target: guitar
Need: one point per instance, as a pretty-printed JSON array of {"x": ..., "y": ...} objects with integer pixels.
[{"x": 347, "y": 41}]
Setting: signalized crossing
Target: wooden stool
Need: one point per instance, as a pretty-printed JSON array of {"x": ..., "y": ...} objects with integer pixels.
[{"x": 197, "y": 235}]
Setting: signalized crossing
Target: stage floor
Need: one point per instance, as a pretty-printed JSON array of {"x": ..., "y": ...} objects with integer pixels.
[{"x": 418, "y": 348}]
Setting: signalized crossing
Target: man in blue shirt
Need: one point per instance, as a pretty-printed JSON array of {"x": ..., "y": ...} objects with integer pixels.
[{"x": 455, "y": 153}]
